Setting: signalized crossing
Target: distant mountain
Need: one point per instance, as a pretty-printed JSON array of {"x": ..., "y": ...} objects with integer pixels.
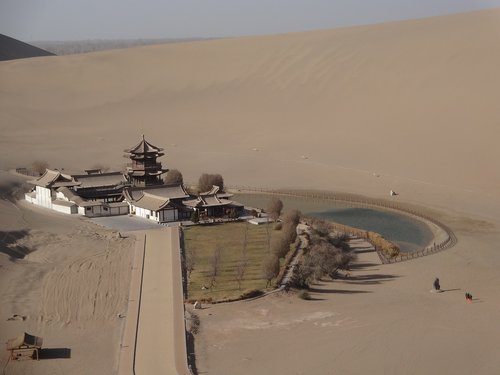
[{"x": 12, "y": 49}]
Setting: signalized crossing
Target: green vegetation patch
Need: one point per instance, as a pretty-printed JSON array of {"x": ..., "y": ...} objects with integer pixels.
[{"x": 203, "y": 243}]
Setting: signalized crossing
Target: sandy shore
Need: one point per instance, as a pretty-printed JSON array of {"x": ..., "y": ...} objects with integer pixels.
[{"x": 408, "y": 106}]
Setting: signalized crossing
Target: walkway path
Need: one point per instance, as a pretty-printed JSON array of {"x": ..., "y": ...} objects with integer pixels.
[
  {"x": 156, "y": 343},
  {"x": 362, "y": 247}
]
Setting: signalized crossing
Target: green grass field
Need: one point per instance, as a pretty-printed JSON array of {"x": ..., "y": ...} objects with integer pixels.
[{"x": 229, "y": 238}]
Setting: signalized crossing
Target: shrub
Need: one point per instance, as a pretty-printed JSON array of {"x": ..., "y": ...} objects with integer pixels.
[
  {"x": 292, "y": 217},
  {"x": 207, "y": 181},
  {"x": 39, "y": 166},
  {"x": 274, "y": 208},
  {"x": 251, "y": 293},
  {"x": 173, "y": 177}
]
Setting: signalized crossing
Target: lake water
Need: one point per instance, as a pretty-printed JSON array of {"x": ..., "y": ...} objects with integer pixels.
[{"x": 408, "y": 233}]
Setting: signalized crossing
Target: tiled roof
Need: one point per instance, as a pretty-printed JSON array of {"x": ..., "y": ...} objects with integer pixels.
[
  {"x": 99, "y": 180},
  {"x": 214, "y": 190},
  {"x": 151, "y": 202},
  {"x": 168, "y": 191},
  {"x": 144, "y": 147},
  {"x": 54, "y": 179},
  {"x": 73, "y": 197},
  {"x": 212, "y": 201}
]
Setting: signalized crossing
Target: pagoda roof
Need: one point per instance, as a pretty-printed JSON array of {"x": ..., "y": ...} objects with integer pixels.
[
  {"x": 207, "y": 201},
  {"x": 144, "y": 147},
  {"x": 215, "y": 190}
]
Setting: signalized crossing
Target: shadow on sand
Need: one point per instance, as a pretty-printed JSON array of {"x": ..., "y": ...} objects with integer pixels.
[
  {"x": 9, "y": 246},
  {"x": 337, "y": 291},
  {"x": 55, "y": 353}
]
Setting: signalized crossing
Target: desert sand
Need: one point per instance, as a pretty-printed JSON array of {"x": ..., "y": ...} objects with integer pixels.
[
  {"x": 69, "y": 288},
  {"x": 410, "y": 106}
]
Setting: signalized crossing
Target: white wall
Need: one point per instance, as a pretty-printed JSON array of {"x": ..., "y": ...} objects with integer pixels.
[
  {"x": 146, "y": 214},
  {"x": 29, "y": 198},
  {"x": 43, "y": 197},
  {"x": 64, "y": 209}
]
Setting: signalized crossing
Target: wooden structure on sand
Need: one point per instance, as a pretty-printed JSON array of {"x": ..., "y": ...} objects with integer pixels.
[{"x": 25, "y": 346}]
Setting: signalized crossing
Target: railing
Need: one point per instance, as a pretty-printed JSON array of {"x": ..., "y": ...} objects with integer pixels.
[
  {"x": 27, "y": 172},
  {"x": 141, "y": 167},
  {"x": 361, "y": 201}
]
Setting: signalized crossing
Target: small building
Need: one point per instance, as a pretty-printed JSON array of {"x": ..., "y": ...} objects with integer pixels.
[
  {"x": 161, "y": 203},
  {"x": 44, "y": 193},
  {"x": 88, "y": 208},
  {"x": 214, "y": 204},
  {"x": 107, "y": 187},
  {"x": 25, "y": 346},
  {"x": 88, "y": 195}
]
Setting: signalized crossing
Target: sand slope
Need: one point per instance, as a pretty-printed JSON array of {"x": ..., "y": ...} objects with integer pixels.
[
  {"x": 409, "y": 106},
  {"x": 70, "y": 288},
  {"x": 417, "y": 98}
]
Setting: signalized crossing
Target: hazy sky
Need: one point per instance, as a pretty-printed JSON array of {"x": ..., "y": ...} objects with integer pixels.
[{"x": 31, "y": 20}]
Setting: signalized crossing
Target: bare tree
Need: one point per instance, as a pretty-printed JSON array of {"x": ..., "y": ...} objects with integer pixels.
[
  {"x": 245, "y": 240},
  {"x": 241, "y": 269},
  {"x": 290, "y": 232},
  {"x": 206, "y": 181},
  {"x": 268, "y": 235},
  {"x": 290, "y": 222},
  {"x": 190, "y": 262},
  {"x": 274, "y": 207},
  {"x": 242, "y": 264},
  {"x": 39, "y": 166},
  {"x": 270, "y": 268},
  {"x": 214, "y": 269},
  {"x": 292, "y": 217},
  {"x": 280, "y": 246},
  {"x": 174, "y": 176}
]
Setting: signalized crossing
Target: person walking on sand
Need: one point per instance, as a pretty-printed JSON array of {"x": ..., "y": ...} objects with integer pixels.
[
  {"x": 437, "y": 287},
  {"x": 468, "y": 297}
]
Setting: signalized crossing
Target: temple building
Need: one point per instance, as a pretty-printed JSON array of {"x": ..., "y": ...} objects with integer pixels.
[
  {"x": 214, "y": 204},
  {"x": 158, "y": 203},
  {"x": 144, "y": 170},
  {"x": 96, "y": 194},
  {"x": 139, "y": 191}
]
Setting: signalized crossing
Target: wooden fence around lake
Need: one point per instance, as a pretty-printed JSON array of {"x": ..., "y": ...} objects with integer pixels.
[{"x": 365, "y": 202}]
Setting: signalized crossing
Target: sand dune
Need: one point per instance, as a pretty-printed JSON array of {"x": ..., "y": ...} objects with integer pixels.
[
  {"x": 418, "y": 97},
  {"x": 409, "y": 106}
]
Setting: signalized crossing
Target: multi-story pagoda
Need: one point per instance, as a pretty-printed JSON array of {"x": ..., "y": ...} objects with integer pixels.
[{"x": 144, "y": 170}]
